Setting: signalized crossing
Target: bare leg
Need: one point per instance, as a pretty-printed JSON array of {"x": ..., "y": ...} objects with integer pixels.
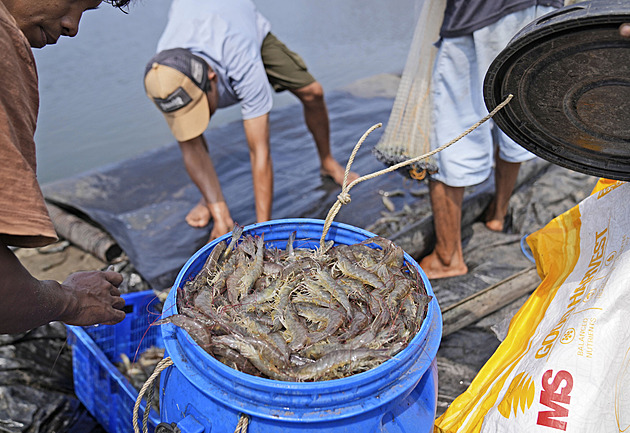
[
  {"x": 317, "y": 122},
  {"x": 257, "y": 135},
  {"x": 201, "y": 170},
  {"x": 447, "y": 258},
  {"x": 505, "y": 174}
]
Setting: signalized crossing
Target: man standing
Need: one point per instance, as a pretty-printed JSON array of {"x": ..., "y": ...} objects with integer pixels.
[
  {"x": 214, "y": 54},
  {"x": 473, "y": 33},
  {"x": 84, "y": 298}
]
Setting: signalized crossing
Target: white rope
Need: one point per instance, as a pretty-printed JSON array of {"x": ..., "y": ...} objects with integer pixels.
[
  {"x": 243, "y": 422},
  {"x": 344, "y": 196},
  {"x": 163, "y": 364},
  {"x": 241, "y": 426}
]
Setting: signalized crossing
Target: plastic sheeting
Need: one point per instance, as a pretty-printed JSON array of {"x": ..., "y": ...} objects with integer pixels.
[
  {"x": 36, "y": 387},
  {"x": 142, "y": 202}
]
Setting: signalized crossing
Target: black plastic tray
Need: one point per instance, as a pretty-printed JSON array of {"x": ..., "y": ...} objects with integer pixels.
[{"x": 569, "y": 72}]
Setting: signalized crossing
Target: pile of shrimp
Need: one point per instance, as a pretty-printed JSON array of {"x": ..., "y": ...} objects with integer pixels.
[
  {"x": 138, "y": 372},
  {"x": 302, "y": 314}
]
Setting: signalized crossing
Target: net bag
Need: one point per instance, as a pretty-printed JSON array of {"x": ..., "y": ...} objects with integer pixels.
[{"x": 407, "y": 132}]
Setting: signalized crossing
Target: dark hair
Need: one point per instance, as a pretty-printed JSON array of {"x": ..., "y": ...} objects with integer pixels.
[{"x": 120, "y": 4}]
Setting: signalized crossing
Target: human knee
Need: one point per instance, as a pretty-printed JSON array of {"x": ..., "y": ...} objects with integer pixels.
[{"x": 312, "y": 93}]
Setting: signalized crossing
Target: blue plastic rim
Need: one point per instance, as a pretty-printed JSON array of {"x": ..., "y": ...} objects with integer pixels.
[{"x": 202, "y": 387}]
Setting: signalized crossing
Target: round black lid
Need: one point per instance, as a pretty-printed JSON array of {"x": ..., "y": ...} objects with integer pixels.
[{"x": 569, "y": 72}]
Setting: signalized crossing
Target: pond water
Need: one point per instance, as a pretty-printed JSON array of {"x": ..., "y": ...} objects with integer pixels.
[{"x": 93, "y": 109}]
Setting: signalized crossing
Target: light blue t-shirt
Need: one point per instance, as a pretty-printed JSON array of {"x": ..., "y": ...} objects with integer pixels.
[{"x": 228, "y": 35}]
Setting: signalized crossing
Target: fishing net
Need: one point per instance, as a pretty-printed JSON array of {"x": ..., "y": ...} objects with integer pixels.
[{"x": 407, "y": 133}]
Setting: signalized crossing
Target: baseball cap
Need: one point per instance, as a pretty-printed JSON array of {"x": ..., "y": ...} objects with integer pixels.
[{"x": 176, "y": 80}]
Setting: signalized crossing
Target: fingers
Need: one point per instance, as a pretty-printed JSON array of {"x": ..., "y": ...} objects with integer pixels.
[
  {"x": 97, "y": 298},
  {"x": 117, "y": 317},
  {"x": 114, "y": 291},
  {"x": 115, "y": 278},
  {"x": 119, "y": 302}
]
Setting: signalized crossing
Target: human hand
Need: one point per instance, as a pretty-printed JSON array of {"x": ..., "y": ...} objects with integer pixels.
[
  {"x": 220, "y": 228},
  {"x": 222, "y": 221},
  {"x": 96, "y": 298},
  {"x": 624, "y": 30}
]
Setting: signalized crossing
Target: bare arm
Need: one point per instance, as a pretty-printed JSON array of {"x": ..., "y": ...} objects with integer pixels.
[
  {"x": 257, "y": 134},
  {"x": 201, "y": 170},
  {"x": 84, "y": 298}
]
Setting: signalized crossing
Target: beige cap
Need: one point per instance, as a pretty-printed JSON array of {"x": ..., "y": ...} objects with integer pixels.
[{"x": 178, "y": 90}]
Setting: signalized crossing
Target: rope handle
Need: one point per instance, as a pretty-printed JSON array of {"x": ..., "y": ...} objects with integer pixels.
[
  {"x": 162, "y": 365},
  {"x": 243, "y": 422},
  {"x": 344, "y": 196},
  {"x": 241, "y": 426}
]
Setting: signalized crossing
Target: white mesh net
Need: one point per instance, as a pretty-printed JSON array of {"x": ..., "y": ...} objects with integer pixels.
[{"x": 407, "y": 132}]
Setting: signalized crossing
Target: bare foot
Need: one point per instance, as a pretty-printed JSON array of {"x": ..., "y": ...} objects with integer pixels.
[
  {"x": 337, "y": 174},
  {"x": 434, "y": 268},
  {"x": 199, "y": 216},
  {"x": 495, "y": 225},
  {"x": 494, "y": 219}
]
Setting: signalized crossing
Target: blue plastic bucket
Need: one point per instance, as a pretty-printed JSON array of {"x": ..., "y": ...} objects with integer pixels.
[{"x": 202, "y": 395}]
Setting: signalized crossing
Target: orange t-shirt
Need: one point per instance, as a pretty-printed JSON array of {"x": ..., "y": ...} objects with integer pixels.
[{"x": 24, "y": 219}]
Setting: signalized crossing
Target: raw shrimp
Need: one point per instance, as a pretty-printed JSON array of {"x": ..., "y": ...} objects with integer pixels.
[
  {"x": 300, "y": 314},
  {"x": 335, "y": 360}
]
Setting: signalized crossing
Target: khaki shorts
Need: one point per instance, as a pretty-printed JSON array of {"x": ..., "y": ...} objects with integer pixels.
[{"x": 285, "y": 69}]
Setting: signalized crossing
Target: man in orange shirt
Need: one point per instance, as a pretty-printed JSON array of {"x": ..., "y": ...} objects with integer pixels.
[{"x": 84, "y": 298}]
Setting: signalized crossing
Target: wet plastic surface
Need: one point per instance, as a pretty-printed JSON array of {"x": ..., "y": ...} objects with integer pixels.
[{"x": 142, "y": 202}]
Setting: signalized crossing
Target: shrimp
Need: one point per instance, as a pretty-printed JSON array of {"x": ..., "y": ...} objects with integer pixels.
[
  {"x": 253, "y": 271},
  {"x": 402, "y": 287},
  {"x": 212, "y": 262},
  {"x": 290, "y": 251},
  {"x": 329, "y": 320},
  {"x": 233, "y": 358},
  {"x": 329, "y": 283},
  {"x": 351, "y": 270},
  {"x": 301, "y": 313},
  {"x": 258, "y": 330},
  {"x": 320, "y": 349},
  {"x": 259, "y": 354},
  {"x": 358, "y": 324},
  {"x": 218, "y": 281},
  {"x": 335, "y": 360},
  {"x": 237, "y": 231},
  {"x": 283, "y": 296},
  {"x": 256, "y": 298},
  {"x": 195, "y": 329},
  {"x": 294, "y": 328},
  {"x": 314, "y": 293}
]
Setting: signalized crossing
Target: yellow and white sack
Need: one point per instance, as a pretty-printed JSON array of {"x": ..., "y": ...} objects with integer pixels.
[{"x": 565, "y": 363}]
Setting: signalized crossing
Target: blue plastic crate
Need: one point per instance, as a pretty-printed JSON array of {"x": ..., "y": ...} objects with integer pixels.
[{"x": 104, "y": 391}]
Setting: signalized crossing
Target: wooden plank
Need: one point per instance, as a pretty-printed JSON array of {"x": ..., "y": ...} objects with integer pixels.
[{"x": 475, "y": 307}]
